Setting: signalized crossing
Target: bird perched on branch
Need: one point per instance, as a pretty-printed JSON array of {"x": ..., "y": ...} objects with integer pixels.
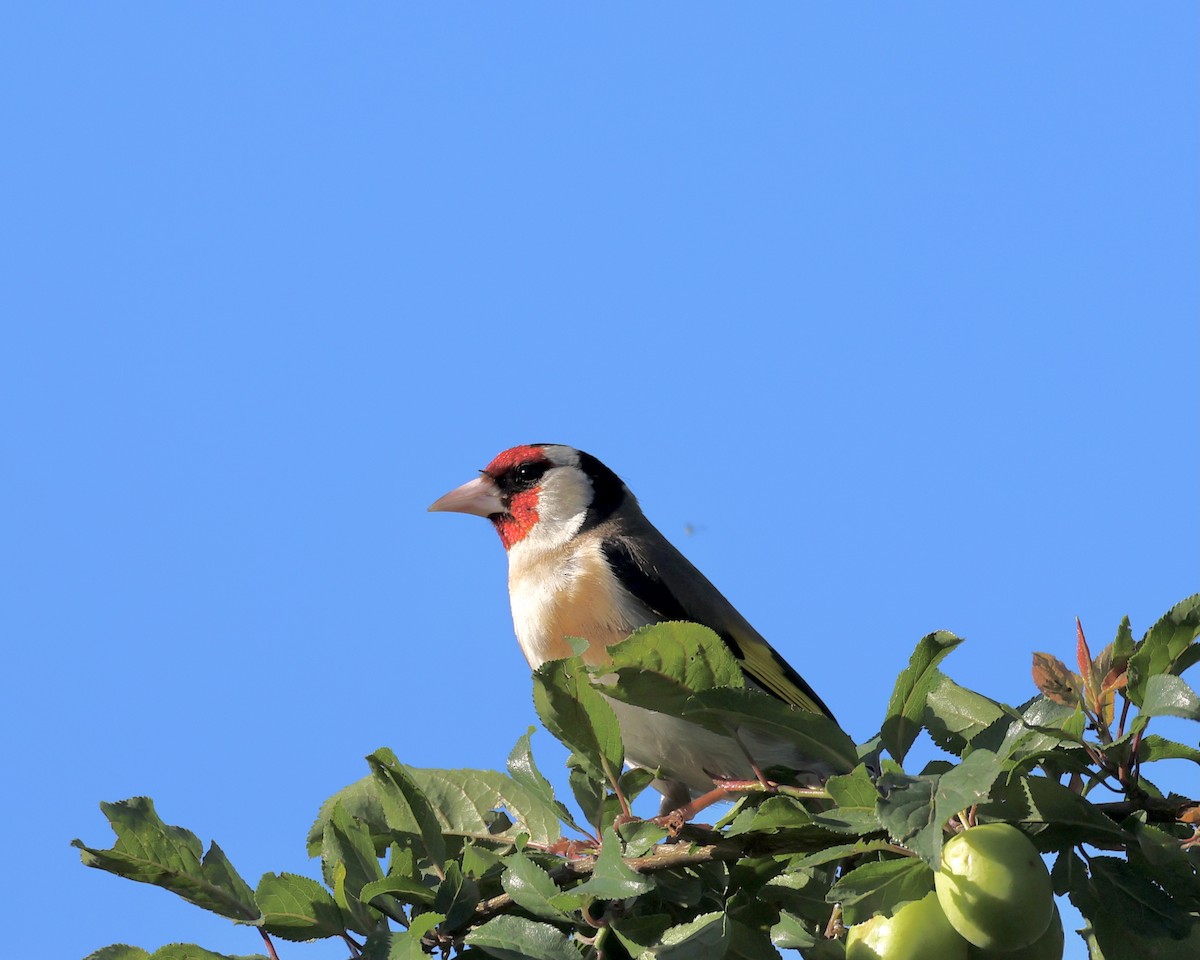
[{"x": 583, "y": 561}]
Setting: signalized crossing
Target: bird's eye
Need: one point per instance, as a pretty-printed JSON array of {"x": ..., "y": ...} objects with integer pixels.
[{"x": 523, "y": 476}]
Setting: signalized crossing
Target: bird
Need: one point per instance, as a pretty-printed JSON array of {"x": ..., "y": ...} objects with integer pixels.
[{"x": 584, "y": 562}]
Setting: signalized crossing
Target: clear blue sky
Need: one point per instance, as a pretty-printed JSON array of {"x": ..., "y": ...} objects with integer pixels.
[{"x": 897, "y": 308}]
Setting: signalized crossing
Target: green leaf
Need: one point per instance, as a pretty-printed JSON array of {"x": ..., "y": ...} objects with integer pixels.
[
  {"x": 297, "y": 908},
  {"x": 907, "y": 809},
  {"x": 1166, "y": 648},
  {"x": 1162, "y": 856},
  {"x": 750, "y": 940},
  {"x": 532, "y": 889},
  {"x": 189, "y": 951},
  {"x": 463, "y": 801},
  {"x": 457, "y": 897},
  {"x": 770, "y": 816},
  {"x": 816, "y": 737},
  {"x": 1168, "y": 696},
  {"x": 404, "y": 944},
  {"x": 881, "y": 887},
  {"x": 362, "y": 801},
  {"x": 348, "y": 863},
  {"x": 855, "y": 799},
  {"x": 575, "y": 712},
  {"x": 955, "y": 716},
  {"x": 640, "y": 836},
  {"x": 906, "y": 709},
  {"x": 150, "y": 851},
  {"x": 118, "y": 951},
  {"x": 612, "y": 878},
  {"x": 1155, "y": 747},
  {"x": 967, "y": 784},
  {"x": 843, "y": 851},
  {"x": 1043, "y": 726},
  {"x": 1059, "y": 816},
  {"x": 525, "y": 772},
  {"x": 707, "y": 936},
  {"x": 405, "y": 889},
  {"x": 800, "y": 890},
  {"x": 660, "y": 666},
  {"x": 638, "y": 934},
  {"x": 405, "y": 805},
  {"x": 1125, "y": 890},
  {"x": 913, "y": 809},
  {"x": 792, "y": 933},
  {"x": 518, "y": 938}
]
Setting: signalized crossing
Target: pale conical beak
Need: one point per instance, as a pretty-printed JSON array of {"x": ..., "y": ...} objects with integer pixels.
[{"x": 479, "y": 496}]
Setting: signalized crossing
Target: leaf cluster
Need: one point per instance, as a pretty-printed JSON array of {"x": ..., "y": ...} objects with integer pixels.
[{"x": 487, "y": 863}]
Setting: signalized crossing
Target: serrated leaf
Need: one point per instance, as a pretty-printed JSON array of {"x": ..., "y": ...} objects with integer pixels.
[
  {"x": 906, "y": 708},
  {"x": 150, "y": 851},
  {"x": 1055, "y": 682},
  {"x": 532, "y": 889},
  {"x": 816, "y": 737},
  {"x": 881, "y": 887},
  {"x": 771, "y": 816},
  {"x": 612, "y": 878},
  {"x": 660, "y": 666},
  {"x": 297, "y": 908},
  {"x": 574, "y": 711},
  {"x": 800, "y": 890},
  {"x": 456, "y": 897},
  {"x": 792, "y": 933},
  {"x": 750, "y": 940},
  {"x": 349, "y": 863},
  {"x": 640, "y": 836},
  {"x": 462, "y": 801},
  {"x": 362, "y": 801},
  {"x": 638, "y": 934},
  {"x": 707, "y": 936},
  {"x": 843, "y": 851},
  {"x": 1155, "y": 747},
  {"x": 1166, "y": 648},
  {"x": 190, "y": 951},
  {"x": 519, "y": 938},
  {"x": 955, "y": 716},
  {"x": 1059, "y": 815},
  {"x": 524, "y": 771},
  {"x": 854, "y": 797},
  {"x": 402, "y": 944},
  {"x": 405, "y": 889},
  {"x": 406, "y": 807},
  {"x": 906, "y": 808},
  {"x": 1170, "y": 696},
  {"x": 1042, "y": 727},
  {"x": 118, "y": 951}
]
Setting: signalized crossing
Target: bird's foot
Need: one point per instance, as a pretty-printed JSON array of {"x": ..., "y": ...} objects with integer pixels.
[{"x": 571, "y": 849}]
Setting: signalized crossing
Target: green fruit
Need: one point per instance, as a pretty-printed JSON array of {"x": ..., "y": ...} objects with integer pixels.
[
  {"x": 1049, "y": 946},
  {"x": 994, "y": 888},
  {"x": 917, "y": 931}
]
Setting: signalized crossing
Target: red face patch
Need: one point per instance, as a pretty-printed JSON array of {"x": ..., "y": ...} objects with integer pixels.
[
  {"x": 517, "y": 473},
  {"x": 522, "y": 515},
  {"x": 510, "y": 458}
]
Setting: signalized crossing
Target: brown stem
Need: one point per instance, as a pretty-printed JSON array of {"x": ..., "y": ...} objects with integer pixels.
[
  {"x": 270, "y": 946},
  {"x": 1124, "y": 714}
]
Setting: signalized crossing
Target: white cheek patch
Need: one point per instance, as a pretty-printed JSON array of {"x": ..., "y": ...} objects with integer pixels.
[{"x": 562, "y": 506}]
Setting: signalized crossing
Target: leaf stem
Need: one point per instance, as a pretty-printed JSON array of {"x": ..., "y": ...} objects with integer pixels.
[{"x": 270, "y": 946}]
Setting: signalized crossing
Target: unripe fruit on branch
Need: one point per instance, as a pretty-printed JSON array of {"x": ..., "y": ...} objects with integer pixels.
[
  {"x": 994, "y": 888},
  {"x": 917, "y": 931}
]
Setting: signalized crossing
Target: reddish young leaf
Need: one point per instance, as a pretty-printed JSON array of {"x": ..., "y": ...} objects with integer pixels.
[{"x": 1055, "y": 681}]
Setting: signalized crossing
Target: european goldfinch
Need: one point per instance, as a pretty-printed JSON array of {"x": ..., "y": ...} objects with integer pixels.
[{"x": 583, "y": 561}]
